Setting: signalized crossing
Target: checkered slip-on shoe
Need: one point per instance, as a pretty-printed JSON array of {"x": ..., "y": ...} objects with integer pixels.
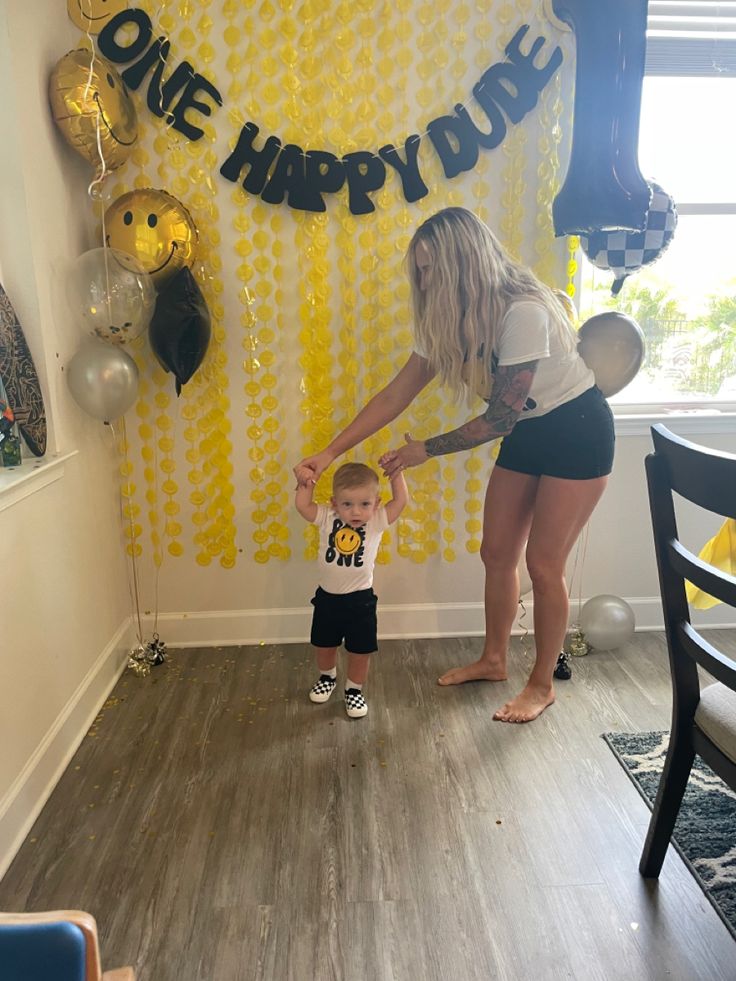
[
  {"x": 355, "y": 704},
  {"x": 322, "y": 688}
]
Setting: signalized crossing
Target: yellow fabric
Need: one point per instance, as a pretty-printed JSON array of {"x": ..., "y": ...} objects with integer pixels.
[{"x": 720, "y": 552}]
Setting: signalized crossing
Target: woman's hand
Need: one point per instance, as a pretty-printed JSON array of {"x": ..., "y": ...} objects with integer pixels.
[
  {"x": 309, "y": 470},
  {"x": 410, "y": 455}
]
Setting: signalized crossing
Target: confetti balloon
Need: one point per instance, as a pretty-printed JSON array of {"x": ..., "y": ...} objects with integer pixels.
[
  {"x": 93, "y": 109},
  {"x": 154, "y": 227},
  {"x": 114, "y": 294}
]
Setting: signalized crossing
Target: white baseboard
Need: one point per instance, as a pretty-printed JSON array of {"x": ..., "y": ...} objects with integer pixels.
[
  {"x": 290, "y": 625},
  {"x": 26, "y": 796}
]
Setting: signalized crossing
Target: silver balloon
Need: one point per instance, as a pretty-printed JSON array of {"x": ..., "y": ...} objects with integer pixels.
[
  {"x": 607, "y": 622},
  {"x": 103, "y": 380},
  {"x": 612, "y": 346},
  {"x": 525, "y": 582},
  {"x": 114, "y": 294}
]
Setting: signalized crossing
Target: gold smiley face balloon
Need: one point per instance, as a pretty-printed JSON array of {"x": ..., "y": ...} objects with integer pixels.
[
  {"x": 93, "y": 109},
  {"x": 91, "y": 16},
  {"x": 155, "y": 228},
  {"x": 347, "y": 540}
]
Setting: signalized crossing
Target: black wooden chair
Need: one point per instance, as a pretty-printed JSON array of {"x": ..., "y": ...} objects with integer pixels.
[{"x": 703, "y": 721}]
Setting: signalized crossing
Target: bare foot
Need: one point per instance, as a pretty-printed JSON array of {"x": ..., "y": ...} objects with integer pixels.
[
  {"x": 477, "y": 671},
  {"x": 527, "y": 705}
]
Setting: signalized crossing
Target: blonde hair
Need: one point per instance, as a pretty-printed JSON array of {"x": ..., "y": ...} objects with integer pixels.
[
  {"x": 471, "y": 283},
  {"x": 351, "y": 475}
]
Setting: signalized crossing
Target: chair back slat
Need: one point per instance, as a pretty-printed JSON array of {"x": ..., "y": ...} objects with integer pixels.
[
  {"x": 715, "y": 662},
  {"x": 701, "y": 475},
  {"x": 675, "y": 607},
  {"x": 718, "y": 584}
]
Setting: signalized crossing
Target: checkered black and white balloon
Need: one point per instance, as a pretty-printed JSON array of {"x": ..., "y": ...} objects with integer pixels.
[{"x": 624, "y": 252}]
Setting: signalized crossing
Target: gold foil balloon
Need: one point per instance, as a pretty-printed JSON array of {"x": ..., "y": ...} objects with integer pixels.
[
  {"x": 93, "y": 109},
  {"x": 154, "y": 227},
  {"x": 91, "y": 16}
]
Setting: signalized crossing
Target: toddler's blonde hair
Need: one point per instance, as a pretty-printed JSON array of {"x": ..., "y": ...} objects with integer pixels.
[{"x": 351, "y": 475}]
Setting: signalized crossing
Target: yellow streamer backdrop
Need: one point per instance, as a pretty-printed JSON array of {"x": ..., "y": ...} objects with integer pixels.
[{"x": 311, "y": 312}]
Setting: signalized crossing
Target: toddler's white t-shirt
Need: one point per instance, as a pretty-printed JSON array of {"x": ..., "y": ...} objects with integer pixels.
[{"x": 347, "y": 555}]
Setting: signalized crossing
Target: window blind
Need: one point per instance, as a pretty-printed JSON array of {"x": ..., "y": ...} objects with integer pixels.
[{"x": 691, "y": 37}]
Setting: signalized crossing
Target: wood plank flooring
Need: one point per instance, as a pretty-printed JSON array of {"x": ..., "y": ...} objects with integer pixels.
[{"x": 222, "y": 828}]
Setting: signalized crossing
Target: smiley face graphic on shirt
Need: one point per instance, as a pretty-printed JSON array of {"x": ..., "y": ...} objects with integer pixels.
[
  {"x": 345, "y": 544},
  {"x": 347, "y": 540}
]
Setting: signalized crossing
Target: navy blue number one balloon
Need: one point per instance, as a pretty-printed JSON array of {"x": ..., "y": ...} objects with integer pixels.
[{"x": 604, "y": 188}]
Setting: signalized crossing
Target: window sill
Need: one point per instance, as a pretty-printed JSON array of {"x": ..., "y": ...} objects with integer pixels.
[
  {"x": 17, "y": 483},
  {"x": 685, "y": 421}
]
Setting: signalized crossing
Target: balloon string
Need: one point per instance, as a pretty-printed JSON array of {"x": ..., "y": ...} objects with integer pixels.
[
  {"x": 168, "y": 117},
  {"x": 134, "y": 590},
  {"x": 91, "y": 71},
  {"x": 522, "y": 623},
  {"x": 99, "y": 179},
  {"x": 579, "y": 562},
  {"x": 103, "y": 166},
  {"x": 90, "y": 190},
  {"x": 87, "y": 87}
]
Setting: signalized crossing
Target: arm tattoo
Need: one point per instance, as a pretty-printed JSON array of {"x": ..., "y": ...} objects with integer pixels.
[{"x": 511, "y": 384}]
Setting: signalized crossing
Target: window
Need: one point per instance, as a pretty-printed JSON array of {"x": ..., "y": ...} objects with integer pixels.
[{"x": 685, "y": 301}]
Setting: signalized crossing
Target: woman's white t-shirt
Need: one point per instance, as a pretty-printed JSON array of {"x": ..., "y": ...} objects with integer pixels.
[{"x": 527, "y": 333}]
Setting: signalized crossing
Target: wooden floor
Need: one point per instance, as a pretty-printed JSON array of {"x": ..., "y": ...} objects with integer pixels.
[{"x": 221, "y": 827}]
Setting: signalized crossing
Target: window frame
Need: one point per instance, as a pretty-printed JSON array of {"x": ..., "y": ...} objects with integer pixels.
[{"x": 687, "y": 39}]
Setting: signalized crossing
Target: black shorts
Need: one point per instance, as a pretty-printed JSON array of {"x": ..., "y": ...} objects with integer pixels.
[
  {"x": 574, "y": 441},
  {"x": 348, "y": 617}
]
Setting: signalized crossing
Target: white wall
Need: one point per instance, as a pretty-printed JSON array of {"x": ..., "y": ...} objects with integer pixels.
[
  {"x": 270, "y": 603},
  {"x": 65, "y": 628}
]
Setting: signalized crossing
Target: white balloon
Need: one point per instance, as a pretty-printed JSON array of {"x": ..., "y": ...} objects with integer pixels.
[
  {"x": 525, "y": 582},
  {"x": 612, "y": 346},
  {"x": 607, "y": 622},
  {"x": 114, "y": 294},
  {"x": 103, "y": 380}
]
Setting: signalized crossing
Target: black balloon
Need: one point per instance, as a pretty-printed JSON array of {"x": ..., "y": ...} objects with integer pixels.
[
  {"x": 604, "y": 189},
  {"x": 180, "y": 329}
]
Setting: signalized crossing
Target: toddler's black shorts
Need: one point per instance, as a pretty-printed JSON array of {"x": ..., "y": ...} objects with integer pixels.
[{"x": 348, "y": 618}]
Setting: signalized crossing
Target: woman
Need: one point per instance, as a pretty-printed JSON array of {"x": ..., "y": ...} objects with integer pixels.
[{"x": 485, "y": 323}]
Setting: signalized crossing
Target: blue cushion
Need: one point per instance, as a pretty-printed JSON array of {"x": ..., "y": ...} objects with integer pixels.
[{"x": 42, "y": 952}]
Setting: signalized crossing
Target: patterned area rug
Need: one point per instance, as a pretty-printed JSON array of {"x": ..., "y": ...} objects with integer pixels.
[{"x": 705, "y": 832}]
